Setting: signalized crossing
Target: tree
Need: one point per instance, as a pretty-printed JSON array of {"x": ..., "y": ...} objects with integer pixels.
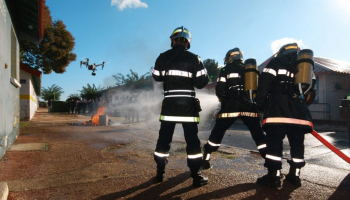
[
  {"x": 74, "y": 97},
  {"x": 54, "y": 53},
  {"x": 212, "y": 68},
  {"x": 134, "y": 82},
  {"x": 91, "y": 92},
  {"x": 54, "y": 92}
]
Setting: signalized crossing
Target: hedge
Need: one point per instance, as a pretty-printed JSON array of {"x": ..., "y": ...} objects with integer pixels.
[{"x": 60, "y": 106}]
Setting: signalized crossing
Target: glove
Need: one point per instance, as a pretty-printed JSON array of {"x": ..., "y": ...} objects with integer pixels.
[{"x": 310, "y": 97}]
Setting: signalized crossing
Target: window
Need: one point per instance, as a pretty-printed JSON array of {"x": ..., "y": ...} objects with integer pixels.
[
  {"x": 317, "y": 90},
  {"x": 23, "y": 81}
]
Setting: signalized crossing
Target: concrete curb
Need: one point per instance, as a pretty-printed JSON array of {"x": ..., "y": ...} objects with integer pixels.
[{"x": 4, "y": 191}]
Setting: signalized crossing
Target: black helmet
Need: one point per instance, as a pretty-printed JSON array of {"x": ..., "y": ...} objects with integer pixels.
[
  {"x": 233, "y": 54},
  {"x": 181, "y": 32},
  {"x": 288, "y": 49}
]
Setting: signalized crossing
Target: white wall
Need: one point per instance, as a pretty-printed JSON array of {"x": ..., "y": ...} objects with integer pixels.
[
  {"x": 29, "y": 100},
  {"x": 329, "y": 97},
  {"x": 9, "y": 98},
  {"x": 335, "y": 96}
]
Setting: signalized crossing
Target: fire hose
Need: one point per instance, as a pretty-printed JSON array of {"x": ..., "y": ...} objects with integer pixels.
[{"x": 330, "y": 146}]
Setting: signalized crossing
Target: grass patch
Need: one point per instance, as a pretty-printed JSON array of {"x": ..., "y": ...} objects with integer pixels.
[
  {"x": 23, "y": 124},
  {"x": 46, "y": 147}
]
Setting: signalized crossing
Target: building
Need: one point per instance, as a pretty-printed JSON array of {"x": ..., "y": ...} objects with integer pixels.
[
  {"x": 30, "y": 91},
  {"x": 332, "y": 85},
  {"x": 18, "y": 19}
]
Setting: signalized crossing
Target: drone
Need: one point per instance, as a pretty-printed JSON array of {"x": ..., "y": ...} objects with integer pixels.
[{"x": 91, "y": 67}]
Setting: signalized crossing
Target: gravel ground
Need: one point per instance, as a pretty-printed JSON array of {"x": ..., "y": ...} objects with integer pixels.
[{"x": 116, "y": 162}]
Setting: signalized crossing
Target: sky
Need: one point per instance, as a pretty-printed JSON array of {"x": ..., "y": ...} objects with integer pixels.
[{"x": 130, "y": 34}]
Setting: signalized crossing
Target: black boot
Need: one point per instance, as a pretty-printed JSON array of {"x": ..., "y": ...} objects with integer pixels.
[
  {"x": 293, "y": 176},
  {"x": 272, "y": 179},
  {"x": 206, "y": 160},
  {"x": 198, "y": 179},
  {"x": 161, "y": 163}
]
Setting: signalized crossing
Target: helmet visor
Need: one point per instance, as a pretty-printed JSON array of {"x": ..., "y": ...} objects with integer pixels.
[
  {"x": 287, "y": 49},
  {"x": 181, "y": 32},
  {"x": 233, "y": 55}
]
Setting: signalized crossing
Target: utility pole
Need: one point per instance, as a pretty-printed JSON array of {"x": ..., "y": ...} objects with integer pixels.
[{"x": 54, "y": 93}]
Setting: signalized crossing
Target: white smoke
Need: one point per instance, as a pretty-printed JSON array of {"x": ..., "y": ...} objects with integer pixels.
[
  {"x": 123, "y": 4},
  {"x": 277, "y": 44},
  {"x": 109, "y": 82},
  {"x": 134, "y": 104},
  {"x": 210, "y": 104},
  {"x": 147, "y": 104}
]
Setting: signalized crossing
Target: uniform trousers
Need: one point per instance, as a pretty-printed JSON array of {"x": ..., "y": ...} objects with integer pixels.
[
  {"x": 191, "y": 137},
  {"x": 222, "y": 124},
  {"x": 274, "y": 141}
]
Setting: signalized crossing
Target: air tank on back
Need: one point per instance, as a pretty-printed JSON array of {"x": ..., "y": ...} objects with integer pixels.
[
  {"x": 305, "y": 66},
  {"x": 250, "y": 78}
]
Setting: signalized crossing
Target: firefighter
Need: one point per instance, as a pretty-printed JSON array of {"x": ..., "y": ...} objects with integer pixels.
[
  {"x": 230, "y": 90},
  {"x": 72, "y": 106},
  {"x": 180, "y": 71},
  {"x": 284, "y": 100}
]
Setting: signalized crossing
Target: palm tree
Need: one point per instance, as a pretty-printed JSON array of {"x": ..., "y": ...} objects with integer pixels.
[
  {"x": 74, "y": 97},
  {"x": 91, "y": 92},
  {"x": 54, "y": 92}
]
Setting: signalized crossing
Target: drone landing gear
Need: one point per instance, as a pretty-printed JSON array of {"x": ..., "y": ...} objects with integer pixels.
[{"x": 93, "y": 73}]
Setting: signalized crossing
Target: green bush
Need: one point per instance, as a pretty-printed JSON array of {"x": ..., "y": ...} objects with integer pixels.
[{"x": 60, "y": 106}]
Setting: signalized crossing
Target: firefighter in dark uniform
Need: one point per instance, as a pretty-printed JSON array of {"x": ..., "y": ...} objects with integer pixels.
[
  {"x": 286, "y": 88},
  {"x": 230, "y": 90},
  {"x": 72, "y": 106},
  {"x": 180, "y": 71}
]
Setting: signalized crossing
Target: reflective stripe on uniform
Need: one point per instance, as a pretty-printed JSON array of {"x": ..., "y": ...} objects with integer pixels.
[
  {"x": 178, "y": 96},
  {"x": 201, "y": 72},
  {"x": 179, "y": 73},
  {"x": 179, "y": 93},
  {"x": 269, "y": 70},
  {"x": 298, "y": 160},
  {"x": 161, "y": 154},
  {"x": 222, "y": 79},
  {"x": 285, "y": 120},
  {"x": 156, "y": 72},
  {"x": 213, "y": 144},
  {"x": 238, "y": 114},
  {"x": 195, "y": 156},
  {"x": 262, "y": 146},
  {"x": 271, "y": 157},
  {"x": 233, "y": 75},
  {"x": 207, "y": 157},
  {"x": 283, "y": 72},
  {"x": 236, "y": 87},
  {"x": 179, "y": 119}
]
